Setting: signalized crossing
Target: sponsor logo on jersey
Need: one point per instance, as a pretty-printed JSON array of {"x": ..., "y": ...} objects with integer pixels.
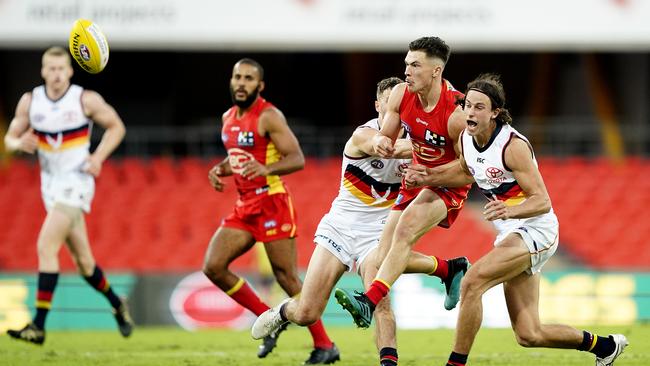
[
  {"x": 471, "y": 170},
  {"x": 271, "y": 232},
  {"x": 234, "y": 128},
  {"x": 401, "y": 170},
  {"x": 420, "y": 121},
  {"x": 270, "y": 224},
  {"x": 246, "y": 138},
  {"x": 495, "y": 175},
  {"x": 377, "y": 164},
  {"x": 433, "y": 138},
  {"x": 224, "y": 137},
  {"x": 480, "y": 160}
]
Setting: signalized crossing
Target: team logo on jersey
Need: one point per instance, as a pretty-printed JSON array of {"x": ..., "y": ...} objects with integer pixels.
[
  {"x": 55, "y": 143},
  {"x": 427, "y": 153},
  {"x": 237, "y": 158},
  {"x": 377, "y": 164},
  {"x": 433, "y": 138},
  {"x": 286, "y": 227},
  {"x": 471, "y": 170},
  {"x": 246, "y": 138},
  {"x": 224, "y": 137}
]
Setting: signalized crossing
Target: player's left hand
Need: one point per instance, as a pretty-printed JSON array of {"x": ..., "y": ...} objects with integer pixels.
[
  {"x": 495, "y": 210},
  {"x": 415, "y": 176},
  {"x": 93, "y": 166},
  {"x": 253, "y": 169}
]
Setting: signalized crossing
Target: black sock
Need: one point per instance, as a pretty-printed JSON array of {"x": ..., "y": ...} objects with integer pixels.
[
  {"x": 600, "y": 346},
  {"x": 457, "y": 359},
  {"x": 388, "y": 356},
  {"x": 45, "y": 292},
  {"x": 283, "y": 314},
  {"x": 99, "y": 282}
]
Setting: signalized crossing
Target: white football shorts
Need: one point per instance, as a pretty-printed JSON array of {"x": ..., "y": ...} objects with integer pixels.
[
  {"x": 540, "y": 235},
  {"x": 350, "y": 242},
  {"x": 73, "y": 189}
]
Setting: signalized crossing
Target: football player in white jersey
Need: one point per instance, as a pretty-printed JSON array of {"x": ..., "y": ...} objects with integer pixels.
[
  {"x": 349, "y": 234},
  {"x": 502, "y": 163},
  {"x": 55, "y": 120}
]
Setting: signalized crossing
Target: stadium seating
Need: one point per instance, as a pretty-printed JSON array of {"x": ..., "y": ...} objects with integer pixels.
[{"x": 158, "y": 215}]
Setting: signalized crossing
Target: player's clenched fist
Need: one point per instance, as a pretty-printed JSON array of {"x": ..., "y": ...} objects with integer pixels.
[
  {"x": 383, "y": 146},
  {"x": 213, "y": 176}
]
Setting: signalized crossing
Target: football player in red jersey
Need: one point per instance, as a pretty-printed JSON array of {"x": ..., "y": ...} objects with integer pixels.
[
  {"x": 426, "y": 106},
  {"x": 261, "y": 147}
]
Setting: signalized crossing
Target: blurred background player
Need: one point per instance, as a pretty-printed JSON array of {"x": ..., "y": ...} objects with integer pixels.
[
  {"x": 502, "y": 163},
  {"x": 349, "y": 234},
  {"x": 426, "y": 106},
  {"x": 261, "y": 147},
  {"x": 56, "y": 119}
]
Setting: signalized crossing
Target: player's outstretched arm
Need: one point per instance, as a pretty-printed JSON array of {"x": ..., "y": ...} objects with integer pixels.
[
  {"x": 274, "y": 124},
  {"x": 20, "y": 137},
  {"x": 104, "y": 115}
]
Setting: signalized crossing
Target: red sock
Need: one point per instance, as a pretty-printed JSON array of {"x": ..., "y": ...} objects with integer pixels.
[
  {"x": 246, "y": 297},
  {"x": 442, "y": 268},
  {"x": 321, "y": 340},
  {"x": 377, "y": 291}
]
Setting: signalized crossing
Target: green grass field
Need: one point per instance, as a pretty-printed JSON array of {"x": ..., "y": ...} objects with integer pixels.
[{"x": 173, "y": 346}]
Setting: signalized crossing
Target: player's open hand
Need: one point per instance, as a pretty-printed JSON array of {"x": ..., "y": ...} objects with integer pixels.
[
  {"x": 383, "y": 146},
  {"x": 252, "y": 169},
  {"x": 213, "y": 177},
  {"x": 495, "y": 210},
  {"x": 415, "y": 176},
  {"x": 28, "y": 142},
  {"x": 93, "y": 166}
]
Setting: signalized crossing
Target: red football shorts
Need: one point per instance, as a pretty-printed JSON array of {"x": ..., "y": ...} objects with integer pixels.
[
  {"x": 266, "y": 217},
  {"x": 454, "y": 198}
]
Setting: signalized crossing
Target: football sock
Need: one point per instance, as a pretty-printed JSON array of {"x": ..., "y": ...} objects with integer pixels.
[
  {"x": 246, "y": 297},
  {"x": 457, "y": 359},
  {"x": 46, "y": 285},
  {"x": 388, "y": 356},
  {"x": 321, "y": 340},
  {"x": 600, "y": 346},
  {"x": 377, "y": 291},
  {"x": 99, "y": 282},
  {"x": 441, "y": 268}
]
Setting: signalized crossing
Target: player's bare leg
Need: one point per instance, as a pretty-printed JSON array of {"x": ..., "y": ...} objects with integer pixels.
[
  {"x": 522, "y": 298},
  {"x": 425, "y": 212},
  {"x": 53, "y": 232},
  {"x": 323, "y": 272},
  {"x": 502, "y": 263},
  {"x": 385, "y": 328},
  {"x": 283, "y": 257},
  {"x": 82, "y": 254},
  {"x": 226, "y": 245}
]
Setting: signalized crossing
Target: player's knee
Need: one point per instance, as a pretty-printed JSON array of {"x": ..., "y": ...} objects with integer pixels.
[
  {"x": 85, "y": 266},
  {"x": 213, "y": 270},
  {"x": 471, "y": 285},
  {"x": 46, "y": 251},
  {"x": 528, "y": 338},
  {"x": 286, "y": 278},
  {"x": 305, "y": 316}
]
